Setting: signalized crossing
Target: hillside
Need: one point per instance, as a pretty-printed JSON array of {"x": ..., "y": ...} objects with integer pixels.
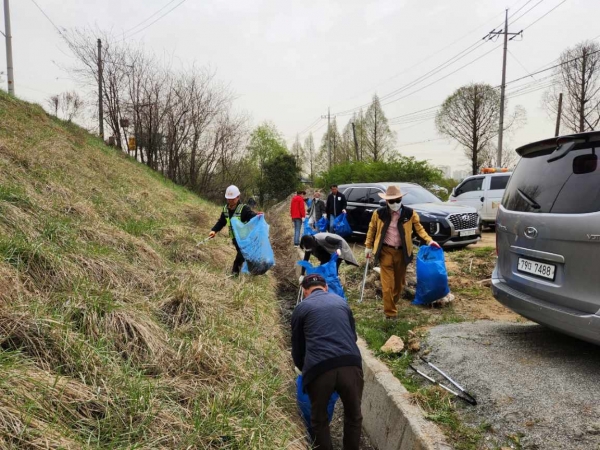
[{"x": 116, "y": 330}]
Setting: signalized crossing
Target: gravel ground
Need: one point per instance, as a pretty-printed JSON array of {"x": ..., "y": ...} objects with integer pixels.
[{"x": 538, "y": 389}]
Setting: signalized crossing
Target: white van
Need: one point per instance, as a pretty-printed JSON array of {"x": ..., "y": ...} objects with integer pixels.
[{"x": 484, "y": 192}]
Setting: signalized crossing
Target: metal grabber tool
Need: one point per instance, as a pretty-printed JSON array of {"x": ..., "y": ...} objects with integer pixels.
[
  {"x": 362, "y": 289},
  {"x": 463, "y": 395}
]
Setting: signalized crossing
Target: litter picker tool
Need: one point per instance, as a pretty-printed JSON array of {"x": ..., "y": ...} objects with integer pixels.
[
  {"x": 463, "y": 395},
  {"x": 362, "y": 289},
  {"x": 299, "y": 297},
  {"x": 203, "y": 241}
]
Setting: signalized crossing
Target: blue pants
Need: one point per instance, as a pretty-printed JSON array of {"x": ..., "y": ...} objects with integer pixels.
[
  {"x": 331, "y": 220},
  {"x": 297, "y": 230}
]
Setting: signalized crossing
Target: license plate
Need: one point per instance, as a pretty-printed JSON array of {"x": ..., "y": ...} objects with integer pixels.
[
  {"x": 537, "y": 268},
  {"x": 467, "y": 233}
]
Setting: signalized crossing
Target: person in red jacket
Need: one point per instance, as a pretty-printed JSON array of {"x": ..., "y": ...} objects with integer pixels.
[{"x": 298, "y": 213}]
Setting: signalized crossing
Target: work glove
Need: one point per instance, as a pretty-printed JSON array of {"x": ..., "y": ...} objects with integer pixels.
[
  {"x": 343, "y": 211},
  {"x": 368, "y": 252},
  {"x": 212, "y": 234},
  {"x": 301, "y": 279},
  {"x": 325, "y": 216},
  {"x": 339, "y": 252},
  {"x": 434, "y": 244}
]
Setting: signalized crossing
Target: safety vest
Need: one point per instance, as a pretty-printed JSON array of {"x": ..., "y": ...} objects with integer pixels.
[{"x": 236, "y": 215}]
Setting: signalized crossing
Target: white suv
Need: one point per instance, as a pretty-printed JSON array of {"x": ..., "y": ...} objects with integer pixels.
[{"x": 484, "y": 192}]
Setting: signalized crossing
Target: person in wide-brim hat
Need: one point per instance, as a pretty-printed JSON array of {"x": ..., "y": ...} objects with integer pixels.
[
  {"x": 391, "y": 193},
  {"x": 389, "y": 240}
]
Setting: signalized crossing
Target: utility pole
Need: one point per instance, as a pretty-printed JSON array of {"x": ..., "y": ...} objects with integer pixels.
[
  {"x": 9, "y": 59},
  {"x": 503, "y": 85},
  {"x": 558, "y": 116},
  {"x": 355, "y": 142},
  {"x": 100, "y": 105}
]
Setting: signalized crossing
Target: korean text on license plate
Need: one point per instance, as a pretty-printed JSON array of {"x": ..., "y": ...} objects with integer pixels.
[{"x": 537, "y": 268}]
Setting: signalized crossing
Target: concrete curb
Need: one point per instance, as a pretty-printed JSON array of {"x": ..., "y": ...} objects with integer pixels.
[{"x": 389, "y": 418}]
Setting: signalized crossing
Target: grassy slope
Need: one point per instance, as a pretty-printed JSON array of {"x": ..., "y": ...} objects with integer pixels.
[{"x": 116, "y": 331}]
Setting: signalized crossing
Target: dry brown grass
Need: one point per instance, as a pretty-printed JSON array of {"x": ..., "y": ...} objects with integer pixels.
[{"x": 116, "y": 329}]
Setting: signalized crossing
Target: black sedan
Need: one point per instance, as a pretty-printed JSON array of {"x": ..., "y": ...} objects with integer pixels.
[{"x": 448, "y": 225}]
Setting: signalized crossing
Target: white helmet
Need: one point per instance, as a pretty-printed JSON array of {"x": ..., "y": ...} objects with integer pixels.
[{"x": 232, "y": 192}]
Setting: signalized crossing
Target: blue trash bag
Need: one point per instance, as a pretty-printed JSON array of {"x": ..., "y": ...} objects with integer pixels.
[
  {"x": 432, "y": 278},
  {"x": 329, "y": 272},
  {"x": 308, "y": 230},
  {"x": 304, "y": 403},
  {"x": 322, "y": 224},
  {"x": 341, "y": 226},
  {"x": 253, "y": 240}
]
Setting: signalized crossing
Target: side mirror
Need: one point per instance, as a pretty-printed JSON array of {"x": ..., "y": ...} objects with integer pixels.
[{"x": 382, "y": 202}]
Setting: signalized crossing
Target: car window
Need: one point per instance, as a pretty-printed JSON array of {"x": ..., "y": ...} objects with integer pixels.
[
  {"x": 475, "y": 184},
  {"x": 373, "y": 195},
  {"x": 358, "y": 195},
  {"x": 498, "y": 183},
  {"x": 569, "y": 185},
  {"x": 414, "y": 195}
]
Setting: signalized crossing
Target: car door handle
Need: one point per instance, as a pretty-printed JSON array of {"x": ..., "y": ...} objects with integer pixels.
[
  {"x": 369, "y": 210},
  {"x": 481, "y": 199}
]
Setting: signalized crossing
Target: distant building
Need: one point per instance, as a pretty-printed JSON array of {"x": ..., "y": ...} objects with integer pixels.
[
  {"x": 460, "y": 174},
  {"x": 446, "y": 171}
]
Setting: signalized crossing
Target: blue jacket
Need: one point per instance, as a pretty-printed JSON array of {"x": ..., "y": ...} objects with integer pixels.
[{"x": 323, "y": 335}]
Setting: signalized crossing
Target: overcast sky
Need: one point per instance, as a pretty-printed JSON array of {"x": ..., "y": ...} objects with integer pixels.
[{"x": 289, "y": 60}]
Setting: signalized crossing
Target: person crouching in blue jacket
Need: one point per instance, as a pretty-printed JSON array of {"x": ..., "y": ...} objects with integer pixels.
[{"x": 324, "y": 349}]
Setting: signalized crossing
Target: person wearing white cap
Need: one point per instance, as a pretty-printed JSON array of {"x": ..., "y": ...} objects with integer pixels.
[{"x": 233, "y": 210}]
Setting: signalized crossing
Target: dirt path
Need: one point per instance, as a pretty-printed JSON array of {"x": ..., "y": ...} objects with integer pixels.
[{"x": 287, "y": 274}]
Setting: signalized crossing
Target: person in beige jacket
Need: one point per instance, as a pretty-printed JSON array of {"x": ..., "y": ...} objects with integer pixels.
[{"x": 389, "y": 241}]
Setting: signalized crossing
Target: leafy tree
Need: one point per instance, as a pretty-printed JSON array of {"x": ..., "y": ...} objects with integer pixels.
[
  {"x": 398, "y": 168},
  {"x": 579, "y": 80},
  {"x": 282, "y": 177},
  {"x": 265, "y": 145},
  {"x": 471, "y": 116},
  {"x": 379, "y": 138}
]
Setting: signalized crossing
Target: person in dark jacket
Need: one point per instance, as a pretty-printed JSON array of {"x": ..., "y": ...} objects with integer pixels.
[
  {"x": 336, "y": 205},
  {"x": 233, "y": 210},
  {"x": 324, "y": 349},
  {"x": 323, "y": 245},
  {"x": 316, "y": 210}
]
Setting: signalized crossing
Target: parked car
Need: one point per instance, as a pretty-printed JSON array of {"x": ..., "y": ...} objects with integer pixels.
[
  {"x": 483, "y": 192},
  {"x": 548, "y": 236},
  {"x": 448, "y": 225}
]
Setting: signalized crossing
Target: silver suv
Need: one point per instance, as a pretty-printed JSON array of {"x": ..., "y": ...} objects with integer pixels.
[{"x": 548, "y": 236}]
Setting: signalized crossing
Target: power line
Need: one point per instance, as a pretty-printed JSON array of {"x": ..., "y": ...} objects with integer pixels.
[
  {"x": 310, "y": 126},
  {"x": 153, "y": 22},
  {"x": 419, "y": 142},
  {"x": 528, "y": 11},
  {"x": 148, "y": 18},
  {"x": 519, "y": 62},
  {"x": 49, "y": 19},
  {"x": 537, "y": 20}
]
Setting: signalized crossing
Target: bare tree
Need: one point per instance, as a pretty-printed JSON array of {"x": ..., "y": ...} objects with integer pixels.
[
  {"x": 183, "y": 122},
  {"x": 310, "y": 152},
  {"x": 69, "y": 104},
  {"x": 488, "y": 157},
  {"x": 579, "y": 80},
  {"x": 379, "y": 138},
  {"x": 470, "y": 116}
]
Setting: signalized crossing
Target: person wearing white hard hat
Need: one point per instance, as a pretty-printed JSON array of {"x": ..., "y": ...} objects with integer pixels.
[{"x": 233, "y": 210}]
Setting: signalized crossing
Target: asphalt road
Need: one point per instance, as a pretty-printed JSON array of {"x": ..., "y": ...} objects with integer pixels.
[{"x": 538, "y": 389}]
